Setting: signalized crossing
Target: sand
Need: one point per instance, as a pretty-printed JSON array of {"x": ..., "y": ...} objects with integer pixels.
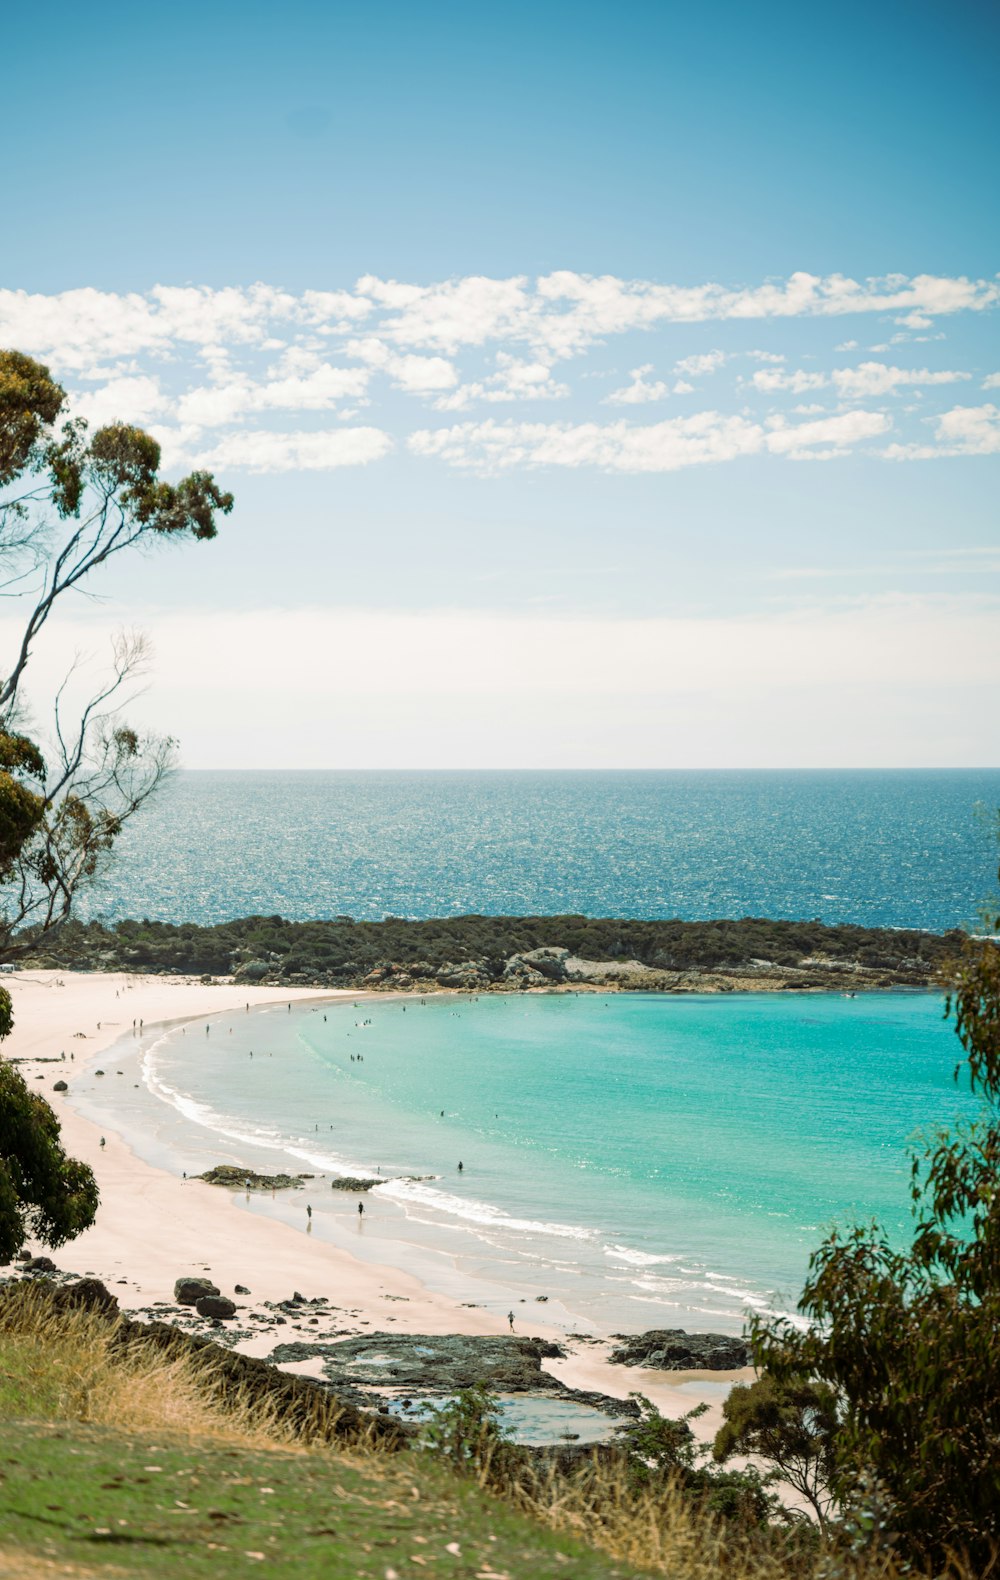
[{"x": 153, "y": 1227}]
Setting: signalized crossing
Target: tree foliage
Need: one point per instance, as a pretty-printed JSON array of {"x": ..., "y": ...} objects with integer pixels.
[
  {"x": 71, "y": 500},
  {"x": 43, "y": 1193},
  {"x": 791, "y": 1427},
  {"x": 907, "y": 1339}
]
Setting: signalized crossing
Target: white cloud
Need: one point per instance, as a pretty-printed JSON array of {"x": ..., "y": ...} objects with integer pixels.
[
  {"x": 300, "y": 452},
  {"x": 621, "y": 447},
  {"x": 216, "y": 405},
  {"x": 847, "y": 345},
  {"x": 408, "y": 372},
  {"x": 516, "y": 378},
  {"x": 827, "y": 437},
  {"x": 640, "y": 390},
  {"x": 768, "y": 380},
  {"x": 704, "y": 362},
  {"x": 874, "y": 378},
  {"x": 992, "y": 382},
  {"x": 965, "y": 430},
  {"x": 560, "y": 313},
  {"x": 129, "y": 399},
  {"x": 197, "y": 359},
  {"x": 867, "y": 380}
]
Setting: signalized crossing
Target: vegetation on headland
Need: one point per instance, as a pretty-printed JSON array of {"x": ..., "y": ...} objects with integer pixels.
[{"x": 489, "y": 951}]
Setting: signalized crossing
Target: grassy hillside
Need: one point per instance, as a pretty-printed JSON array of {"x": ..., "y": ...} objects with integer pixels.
[
  {"x": 124, "y": 1458},
  {"x": 118, "y": 1465}
]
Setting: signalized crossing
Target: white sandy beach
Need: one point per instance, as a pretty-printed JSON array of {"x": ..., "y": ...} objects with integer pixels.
[{"x": 153, "y": 1227}]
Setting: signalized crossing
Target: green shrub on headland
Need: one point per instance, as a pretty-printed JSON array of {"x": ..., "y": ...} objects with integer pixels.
[{"x": 341, "y": 952}]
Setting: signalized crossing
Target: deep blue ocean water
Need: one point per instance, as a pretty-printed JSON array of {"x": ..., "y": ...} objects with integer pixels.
[{"x": 894, "y": 848}]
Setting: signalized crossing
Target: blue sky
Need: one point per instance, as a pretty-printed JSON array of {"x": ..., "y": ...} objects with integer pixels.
[{"x": 599, "y": 386}]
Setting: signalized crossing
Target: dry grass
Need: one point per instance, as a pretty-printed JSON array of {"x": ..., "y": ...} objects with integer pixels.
[
  {"x": 80, "y": 1366},
  {"x": 76, "y": 1365}
]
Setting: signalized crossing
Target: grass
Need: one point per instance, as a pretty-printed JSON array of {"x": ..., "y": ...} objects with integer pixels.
[
  {"x": 121, "y": 1458},
  {"x": 121, "y": 1462},
  {"x": 95, "y": 1500}
]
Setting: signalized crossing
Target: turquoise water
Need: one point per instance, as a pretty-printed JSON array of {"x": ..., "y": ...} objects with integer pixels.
[
  {"x": 883, "y": 849},
  {"x": 640, "y": 1160}
]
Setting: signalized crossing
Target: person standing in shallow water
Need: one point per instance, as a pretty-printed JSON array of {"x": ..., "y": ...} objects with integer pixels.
[{"x": 361, "y": 1209}]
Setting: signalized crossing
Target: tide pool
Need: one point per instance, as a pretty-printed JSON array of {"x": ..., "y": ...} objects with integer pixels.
[{"x": 639, "y": 1160}]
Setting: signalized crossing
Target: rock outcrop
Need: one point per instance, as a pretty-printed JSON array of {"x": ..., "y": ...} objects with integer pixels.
[
  {"x": 233, "y": 1178},
  {"x": 466, "y": 974},
  {"x": 441, "y": 1364},
  {"x": 674, "y": 1350},
  {"x": 188, "y": 1291}
]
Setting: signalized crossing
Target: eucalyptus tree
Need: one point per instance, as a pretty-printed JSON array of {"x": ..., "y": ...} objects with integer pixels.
[{"x": 71, "y": 500}]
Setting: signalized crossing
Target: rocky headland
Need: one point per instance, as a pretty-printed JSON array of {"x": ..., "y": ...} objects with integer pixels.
[{"x": 478, "y": 954}]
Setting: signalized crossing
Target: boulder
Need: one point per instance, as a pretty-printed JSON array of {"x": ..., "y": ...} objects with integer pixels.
[
  {"x": 60, "y": 1086},
  {"x": 468, "y": 974},
  {"x": 607, "y": 971},
  {"x": 188, "y": 1291},
  {"x": 549, "y": 962},
  {"x": 215, "y": 1306},
  {"x": 517, "y": 971},
  {"x": 253, "y": 971},
  {"x": 41, "y": 1264},
  {"x": 673, "y": 1350}
]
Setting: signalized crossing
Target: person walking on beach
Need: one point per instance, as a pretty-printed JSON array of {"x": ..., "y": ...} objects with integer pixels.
[
  {"x": 510, "y": 1319},
  {"x": 361, "y": 1209}
]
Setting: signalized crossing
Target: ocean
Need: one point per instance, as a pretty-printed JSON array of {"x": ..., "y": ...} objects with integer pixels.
[
  {"x": 882, "y": 849},
  {"x": 636, "y": 1160},
  {"x": 639, "y": 1160}
]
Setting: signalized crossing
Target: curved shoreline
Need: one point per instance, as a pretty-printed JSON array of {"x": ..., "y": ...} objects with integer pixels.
[{"x": 153, "y": 1227}]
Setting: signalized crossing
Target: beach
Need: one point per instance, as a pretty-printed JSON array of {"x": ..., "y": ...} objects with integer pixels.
[{"x": 154, "y": 1227}]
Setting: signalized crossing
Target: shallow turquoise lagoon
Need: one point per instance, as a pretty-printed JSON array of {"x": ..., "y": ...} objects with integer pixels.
[{"x": 639, "y": 1160}]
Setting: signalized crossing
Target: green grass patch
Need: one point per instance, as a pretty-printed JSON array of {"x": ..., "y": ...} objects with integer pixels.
[{"x": 118, "y": 1504}]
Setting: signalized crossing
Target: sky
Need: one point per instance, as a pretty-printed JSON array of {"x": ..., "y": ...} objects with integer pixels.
[{"x": 600, "y": 386}]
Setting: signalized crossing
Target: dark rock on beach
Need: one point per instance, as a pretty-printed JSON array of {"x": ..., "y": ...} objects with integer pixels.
[
  {"x": 188, "y": 1291},
  {"x": 673, "y": 1350},
  {"x": 349, "y": 1182},
  {"x": 217, "y": 1306},
  {"x": 233, "y": 1178},
  {"x": 60, "y": 1086},
  {"x": 441, "y": 1364}
]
